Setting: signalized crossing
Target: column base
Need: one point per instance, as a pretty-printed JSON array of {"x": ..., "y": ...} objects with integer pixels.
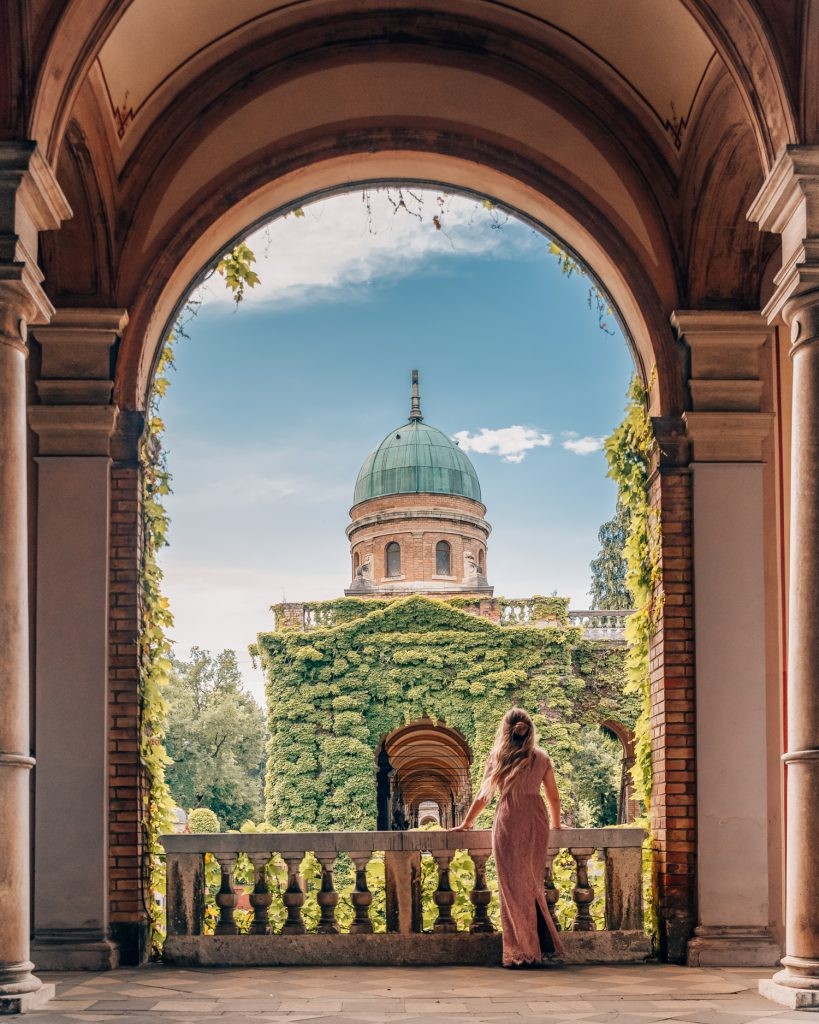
[
  {"x": 25, "y": 1002},
  {"x": 797, "y": 987},
  {"x": 733, "y": 946},
  {"x": 74, "y": 950}
]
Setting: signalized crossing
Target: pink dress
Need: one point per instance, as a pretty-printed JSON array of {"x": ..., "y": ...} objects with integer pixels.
[{"x": 520, "y": 840}]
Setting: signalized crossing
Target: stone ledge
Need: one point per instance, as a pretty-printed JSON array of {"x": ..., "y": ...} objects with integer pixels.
[
  {"x": 25, "y": 1002},
  {"x": 388, "y": 950},
  {"x": 733, "y": 946}
]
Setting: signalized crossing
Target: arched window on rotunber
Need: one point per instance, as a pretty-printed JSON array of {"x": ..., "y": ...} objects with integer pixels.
[
  {"x": 443, "y": 559},
  {"x": 481, "y": 566},
  {"x": 393, "y": 558},
  {"x": 356, "y": 562}
]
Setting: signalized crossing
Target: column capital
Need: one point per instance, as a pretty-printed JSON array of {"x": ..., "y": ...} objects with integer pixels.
[
  {"x": 75, "y": 415},
  {"x": 31, "y": 201},
  {"x": 788, "y": 205},
  {"x": 730, "y": 413}
]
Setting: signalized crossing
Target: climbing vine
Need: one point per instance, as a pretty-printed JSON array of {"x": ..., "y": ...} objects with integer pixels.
[
  {"x": 336, "y": 690},
  {"x": 629, "y": 452},
  {"x": 156, "y": 618}
]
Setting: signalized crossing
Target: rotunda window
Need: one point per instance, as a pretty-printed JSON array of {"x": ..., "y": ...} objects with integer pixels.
[
  {"x": 443, "y": 559},
  {"x": 393, "y": 559}
]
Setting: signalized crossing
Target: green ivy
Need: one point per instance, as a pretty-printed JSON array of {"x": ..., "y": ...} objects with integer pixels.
[
  {"x": 334, "y": 693},
  {"x": 629, "y": 451},
  {"x": 156, "y": 618}
]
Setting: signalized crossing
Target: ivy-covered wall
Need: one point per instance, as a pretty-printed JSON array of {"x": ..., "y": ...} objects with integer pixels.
[{"x": 334, "y": 692}]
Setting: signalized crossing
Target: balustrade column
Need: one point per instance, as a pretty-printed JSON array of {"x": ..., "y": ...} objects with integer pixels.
[
  {"x": 481, "y": 897},
  {"x": 30, "y": 201},
  {"x": 293, "y": 897},
  {"x": 327, "y": 897},
  {"x": 550, "y": 890},
  {"x": 260, "y": 898},
  {"x": 582, "y": 893},
  {"x": 444, "y": 897},
  {"x": 361, "y": 896},
  {"x": 788, "y": 204},
  {"x": 226, "y": 899}
]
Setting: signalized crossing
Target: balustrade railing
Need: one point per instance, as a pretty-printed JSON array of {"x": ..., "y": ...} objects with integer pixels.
[
  {"x": 601, "y": 625},
  {"x": 621, "y": 937}
]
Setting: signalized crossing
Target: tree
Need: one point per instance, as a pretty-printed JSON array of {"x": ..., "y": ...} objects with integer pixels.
[
  {"x": 608, "y": 582},
  {"x": 216, "y": 738}
]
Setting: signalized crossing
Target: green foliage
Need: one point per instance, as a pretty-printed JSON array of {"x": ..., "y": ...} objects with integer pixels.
[
  {"x": 156, "y": 618},
  {"x": 629, "y": 451},
  {"x": 597, "y": 778},
  {"x": 609, "y": 569},
  {"x": 236, "y": 267},
  {"x": 154, "y": 647},
  {"x": 203, "y": 820},
  {"x": 215, "y": 738},
  {"x": 597, "y": 299},
  {"x": 334, "y": 692}
]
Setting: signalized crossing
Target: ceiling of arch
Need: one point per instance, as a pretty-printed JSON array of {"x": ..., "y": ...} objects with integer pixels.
[{"x": 656, "y": 52}]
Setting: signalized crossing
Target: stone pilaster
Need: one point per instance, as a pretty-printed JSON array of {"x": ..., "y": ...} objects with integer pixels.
[
  {"x": 30, "y": 202},
  {"x": 727, "y": 427},
  {"x": 788, "y": 204},
  {"x": 74, "y": 423}
]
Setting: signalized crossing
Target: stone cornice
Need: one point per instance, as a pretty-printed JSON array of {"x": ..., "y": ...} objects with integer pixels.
[
  {"x": 393, "y": 516},
  {"x": 727, "y": 436},
  {"x": 31, "y": 201},
  {"x": 788, "y": 205},
  {"x": 73, "y": 429}
]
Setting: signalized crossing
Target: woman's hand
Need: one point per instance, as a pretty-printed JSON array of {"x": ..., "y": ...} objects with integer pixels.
[{"x": 463, "y": 827}]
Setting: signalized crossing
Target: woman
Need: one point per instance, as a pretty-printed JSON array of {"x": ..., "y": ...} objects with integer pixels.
[{"x": 517, "y": 768}]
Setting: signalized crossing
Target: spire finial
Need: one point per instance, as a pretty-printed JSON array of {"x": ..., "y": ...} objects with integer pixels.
[{"x": 415, "y": 409}]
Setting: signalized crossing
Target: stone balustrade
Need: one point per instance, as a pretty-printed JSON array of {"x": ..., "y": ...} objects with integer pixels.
[
  {"x": 601, "y": 624},
  {"x": 622, "y": 939}
]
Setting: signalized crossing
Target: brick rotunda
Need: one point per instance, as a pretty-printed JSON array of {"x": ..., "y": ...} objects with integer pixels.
[{"x": 418, "y": 523}]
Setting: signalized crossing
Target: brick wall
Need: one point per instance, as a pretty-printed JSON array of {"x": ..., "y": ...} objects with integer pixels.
[
  {"x": 673, "y": 809},
  {"x": 401, "y": 518},
  {"x": 128, "y": 890}
]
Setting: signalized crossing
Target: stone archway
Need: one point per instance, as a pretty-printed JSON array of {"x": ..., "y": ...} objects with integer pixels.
[
  {"x": 477, "y": 96},
  {"x": 423, "y": 763}
]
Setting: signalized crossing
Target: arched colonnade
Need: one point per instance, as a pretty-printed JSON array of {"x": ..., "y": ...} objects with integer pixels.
[{"x": 681, "y": 163}]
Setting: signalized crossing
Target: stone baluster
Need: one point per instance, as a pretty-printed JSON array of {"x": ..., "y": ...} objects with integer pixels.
[
  {"x": 327, "y": 896},
  {"x": 226, "y": 898},
  {"x": 260, "y": 898},
  {"x": 444, "y": 897},
  {"x": 293, "y": 897},
  {"x": 481, "y": 897},
  {"x": 361, "y": 896},
  {"x": 550, "y": 891},
  {"x": 582, "y": 893}
]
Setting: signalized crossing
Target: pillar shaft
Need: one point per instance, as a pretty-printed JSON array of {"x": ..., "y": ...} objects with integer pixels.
[
  {"x": 788, "y": 204},
  {"x": 30, "y": 202},
  {"x": 802, "y": 756},
  {"x": 15, "y": 746}
]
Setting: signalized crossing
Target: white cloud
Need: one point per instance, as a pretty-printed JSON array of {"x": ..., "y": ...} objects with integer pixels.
[
  {"x": 339, "y": 245},
  {"x": 584, "y": 445},
  {"x": 510, "y": 443}
]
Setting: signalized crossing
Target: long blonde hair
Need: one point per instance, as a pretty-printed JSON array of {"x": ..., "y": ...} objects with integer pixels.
[{"x": 513, "y": 750}]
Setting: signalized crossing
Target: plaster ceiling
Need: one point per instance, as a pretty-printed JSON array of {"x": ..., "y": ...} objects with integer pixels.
[{"x": 656, "y": 51}]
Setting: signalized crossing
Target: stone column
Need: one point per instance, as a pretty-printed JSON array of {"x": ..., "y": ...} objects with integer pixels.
[
  {"x": 73, "y": 422},
  {"x": 30, "y": 202},
  {"x": 729, "y": 422},
  {"x": 788, "y": 205}
]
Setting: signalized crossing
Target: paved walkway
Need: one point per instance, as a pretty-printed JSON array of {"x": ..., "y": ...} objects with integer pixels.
[{"x": 415, "y": 995}]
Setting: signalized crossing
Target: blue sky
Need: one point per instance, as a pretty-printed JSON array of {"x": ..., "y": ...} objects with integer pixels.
[{"x": 273, "y": 406}]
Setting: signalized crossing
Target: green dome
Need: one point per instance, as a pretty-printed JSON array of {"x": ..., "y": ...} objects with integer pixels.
[{"x": 416, "y": 458}]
